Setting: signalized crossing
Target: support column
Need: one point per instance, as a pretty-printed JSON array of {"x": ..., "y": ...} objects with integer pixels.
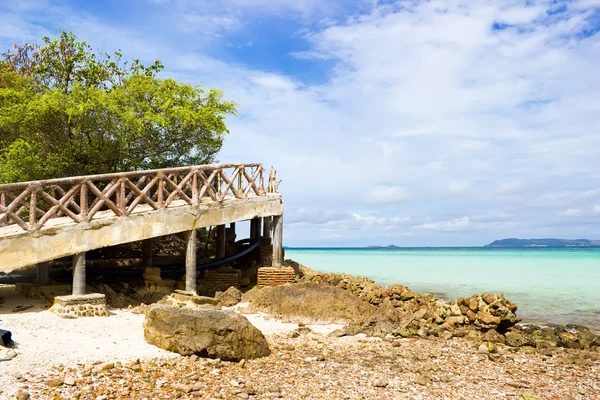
[
  {"x": 232, "y": 228},
  {"x": 42, "y": 274},
  {"x": 79, "y": 274},
  {"x": 255, "y": 227},
  {"x": 147, "y": 257},
  {"x": 267, "y": 227},
  {"x": 221, "y": 238},
  {"x": 190, "y": 262},
  {"x": 277, "y": 240}
]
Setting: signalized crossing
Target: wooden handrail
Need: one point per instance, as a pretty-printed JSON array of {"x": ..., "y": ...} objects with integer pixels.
[{"x": 30, "y": 205}]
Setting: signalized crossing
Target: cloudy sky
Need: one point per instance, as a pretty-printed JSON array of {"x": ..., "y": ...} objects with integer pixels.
[{"x": 415, "y": 123}]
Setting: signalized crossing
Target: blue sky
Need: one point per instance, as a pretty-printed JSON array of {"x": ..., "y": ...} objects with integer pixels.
[{"x": 415, "y": 123}]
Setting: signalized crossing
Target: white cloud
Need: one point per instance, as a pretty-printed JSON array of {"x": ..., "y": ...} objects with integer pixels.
[
  {"x": 386, "y": 194},
  {"x": 422, "y": 100},
  {"x": 458, "y": 186},
  {"x": 457, "y": 224},
  {"x": 571, "y": 212}
]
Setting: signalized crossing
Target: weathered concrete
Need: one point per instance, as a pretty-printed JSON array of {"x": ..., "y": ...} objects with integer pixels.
[
  {"x": 79, "y": 274},
  {"x": 190, "y": 261},
  {"x": 62, "y": 237},
  {"x": 255, "y": 227},
  {"x": 221, "y": 237},
  {"x": 147, "y": 258},
  {"x": 277, "y": 240},
  {"x": 75, "y": 306},
  {"x": 42, "y": 273},
  {"x": 266, "y": 227}
]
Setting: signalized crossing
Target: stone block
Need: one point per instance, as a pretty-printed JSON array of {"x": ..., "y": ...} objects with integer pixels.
[
  {"x": 275, "y": 276},
  {"x": 76, "y": 306}
]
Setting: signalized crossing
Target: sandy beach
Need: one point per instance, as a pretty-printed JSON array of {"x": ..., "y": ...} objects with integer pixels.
[{"x": 107, "y": 358}]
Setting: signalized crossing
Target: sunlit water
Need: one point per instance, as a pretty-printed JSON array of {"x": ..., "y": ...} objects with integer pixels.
[{"x": 553, "y": 285}]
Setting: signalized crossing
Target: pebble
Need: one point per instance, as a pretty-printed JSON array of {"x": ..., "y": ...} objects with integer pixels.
[
  {"x": 426, "y": 369},
  {"x": 182, "y": 388},
  {"x": 69, "y": 380},
  {"x": 107, "y": 366},
  {"x": 381, "y": 383},
  {"x": 420, "y": 380},
  {"x": 55, "y": 382}
]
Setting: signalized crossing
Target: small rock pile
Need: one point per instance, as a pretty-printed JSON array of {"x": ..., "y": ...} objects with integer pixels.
[{"x": 487, "y": 311}]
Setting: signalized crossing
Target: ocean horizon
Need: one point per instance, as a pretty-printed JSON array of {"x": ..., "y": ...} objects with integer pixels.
[{"x": 549, "y": 284}]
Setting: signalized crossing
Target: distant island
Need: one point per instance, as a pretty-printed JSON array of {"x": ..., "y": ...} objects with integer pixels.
[
  {"x": 513, "y": 242},
  {"x": 391, "y": 246}
]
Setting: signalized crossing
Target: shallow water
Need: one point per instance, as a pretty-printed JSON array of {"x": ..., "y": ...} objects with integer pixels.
[{"x": 550, "y": 285}]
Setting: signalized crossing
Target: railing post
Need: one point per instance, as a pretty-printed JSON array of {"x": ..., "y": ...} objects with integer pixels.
[
  {"x": 161, "y": 188},
  {"x": 220, "y": 171},
  {"x": 195, "y": 190},
  {"x": 241, "y": 181},
  {"x": 83, "y": 202},
  {"x": 33, "y": 209},
  {"x": 262, "y": 180},
  {"x": 122, "y": 200}
]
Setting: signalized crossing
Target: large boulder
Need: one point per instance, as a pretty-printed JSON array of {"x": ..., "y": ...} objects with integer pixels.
[{"x": 206, "y": 333}]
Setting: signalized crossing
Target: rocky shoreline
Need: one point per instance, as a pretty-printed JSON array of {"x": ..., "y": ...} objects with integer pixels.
[
  {"x": 387, "y": 343},
  {"x": 486, "y": 317}
]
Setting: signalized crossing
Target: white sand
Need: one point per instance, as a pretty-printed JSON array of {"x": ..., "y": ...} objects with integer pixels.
[{"x": 42, "y": 339}]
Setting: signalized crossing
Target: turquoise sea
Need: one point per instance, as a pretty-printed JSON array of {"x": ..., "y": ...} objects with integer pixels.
[{"x": 550, "y": 285}]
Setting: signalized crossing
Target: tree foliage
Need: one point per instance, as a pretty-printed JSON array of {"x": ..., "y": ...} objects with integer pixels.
[{"x": 66, "y": 110}]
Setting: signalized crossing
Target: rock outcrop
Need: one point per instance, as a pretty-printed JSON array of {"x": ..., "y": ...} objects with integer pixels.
[
  {"x": 482, "y": 317},
  {"x": 206, "y": 333},
  {"x": 230, "y": 297}
]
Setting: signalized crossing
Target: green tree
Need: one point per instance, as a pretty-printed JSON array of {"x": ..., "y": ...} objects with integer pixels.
[{"x": 66, "y": 110}]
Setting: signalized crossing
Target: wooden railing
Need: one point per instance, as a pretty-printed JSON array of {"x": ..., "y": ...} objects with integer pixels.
[{"x": 30, "y": 205}]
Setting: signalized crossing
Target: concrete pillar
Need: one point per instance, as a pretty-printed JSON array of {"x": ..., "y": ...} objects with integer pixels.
[
  {"x": 79, "y": 274},
  {"x": 190, "y": 262},
  {"x": 221, "y": 237},
  {"x": 277, "y": 240},
  {"x": 42, "y": 274},
  {"x": 232, "y": 228},
  {"x": 147, "y": 257},
  {"x": 255, "y": 228},
  {"x": 267, "y": 227}
]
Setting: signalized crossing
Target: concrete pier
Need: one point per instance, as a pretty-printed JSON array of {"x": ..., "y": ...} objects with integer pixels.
[
  {"x": 277, "y": 240},
  {"x": 221, "y": 239},
  {"x": 42, "y": 273},
  {"x": 79, "y": 274},
  {"x": 190, "y": 262}
]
